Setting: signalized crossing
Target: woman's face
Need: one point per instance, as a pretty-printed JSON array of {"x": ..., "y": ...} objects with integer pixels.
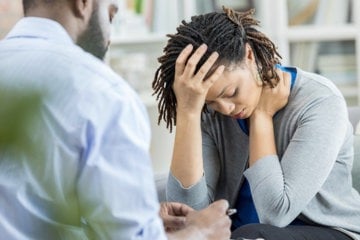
[{"x": 237, "y": 92}]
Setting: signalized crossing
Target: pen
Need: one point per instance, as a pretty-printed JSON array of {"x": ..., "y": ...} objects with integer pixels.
[{"x": 231, "y": 211}]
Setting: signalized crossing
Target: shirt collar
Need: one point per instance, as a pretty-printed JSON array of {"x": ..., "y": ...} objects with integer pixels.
[{"x": 35, "y": 27}]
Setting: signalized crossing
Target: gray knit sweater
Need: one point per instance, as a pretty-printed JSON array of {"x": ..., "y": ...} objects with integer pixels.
[{"x": 310, "y": 178}]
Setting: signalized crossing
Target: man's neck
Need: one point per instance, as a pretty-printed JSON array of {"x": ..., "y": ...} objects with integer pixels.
[{"x": 60, "y": 14}]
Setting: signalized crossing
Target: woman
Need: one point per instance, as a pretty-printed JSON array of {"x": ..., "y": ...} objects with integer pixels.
[{"x": 274, "y": 141}]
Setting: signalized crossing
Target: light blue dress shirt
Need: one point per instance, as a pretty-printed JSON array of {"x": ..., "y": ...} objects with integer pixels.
[{"x": 95, "y": 178}]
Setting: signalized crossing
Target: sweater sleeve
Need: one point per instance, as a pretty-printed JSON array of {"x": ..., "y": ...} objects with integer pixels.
[
  {"x": 282, "y": 188},
  {"x": 201, "y": 194},
  {"x": 194, "y": 196}
]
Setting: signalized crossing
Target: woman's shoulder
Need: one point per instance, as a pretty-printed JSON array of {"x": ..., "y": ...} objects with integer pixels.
[{"x": 316, "y": 84}]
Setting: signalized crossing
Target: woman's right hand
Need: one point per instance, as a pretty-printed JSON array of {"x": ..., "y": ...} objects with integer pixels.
[{"x": 190, "y": 88}]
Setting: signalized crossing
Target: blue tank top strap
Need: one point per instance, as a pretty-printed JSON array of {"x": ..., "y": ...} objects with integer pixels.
[{"x": 290, "y": 70}]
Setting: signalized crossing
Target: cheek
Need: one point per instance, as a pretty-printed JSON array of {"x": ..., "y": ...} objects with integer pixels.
[
  {"x": 106, "y": 32},
  {"x": 105, "y": 25},
  {"x": 256, "y": 97},
  {"x": 249, "y": 95}
]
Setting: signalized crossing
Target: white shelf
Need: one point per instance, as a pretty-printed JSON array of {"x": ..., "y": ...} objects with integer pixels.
[
  {"x": 139, "y": 39},
  {"x": 149, "y": 46},
  {"x": 327, "y": 27},
  {"x": 322, "y": 33}
]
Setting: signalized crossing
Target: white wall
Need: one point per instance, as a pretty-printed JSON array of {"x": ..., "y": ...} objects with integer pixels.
[{"x": 161, "y": 144}]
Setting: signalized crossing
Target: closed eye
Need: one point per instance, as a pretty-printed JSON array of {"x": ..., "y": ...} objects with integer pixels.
[{"x": 234, "y": 93}]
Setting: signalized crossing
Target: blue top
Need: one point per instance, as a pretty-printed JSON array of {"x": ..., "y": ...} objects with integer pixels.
[
  {"x": 246, "y": 212},
  {"x": 95, "y": 177}
]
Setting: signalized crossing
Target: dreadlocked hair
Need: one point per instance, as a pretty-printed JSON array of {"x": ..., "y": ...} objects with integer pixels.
[{"x": 226, "y": 33}]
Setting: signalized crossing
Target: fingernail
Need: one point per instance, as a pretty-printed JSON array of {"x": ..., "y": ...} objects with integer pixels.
[
  {"x": 215, "y": 54},
  {"x": 221, "y": 68},
  {"x": 203, "y": 46}
]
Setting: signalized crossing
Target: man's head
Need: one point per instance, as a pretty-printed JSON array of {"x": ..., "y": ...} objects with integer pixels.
[
  {"x": 87, "y": 21},
  {"x": 96, "y": 38}
]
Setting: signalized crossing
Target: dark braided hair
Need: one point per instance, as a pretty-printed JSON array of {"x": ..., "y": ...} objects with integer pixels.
[{"x": 226, "y": 33}]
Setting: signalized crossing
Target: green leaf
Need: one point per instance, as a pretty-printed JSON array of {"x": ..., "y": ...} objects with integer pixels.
[{"x": 19, "y": 110}]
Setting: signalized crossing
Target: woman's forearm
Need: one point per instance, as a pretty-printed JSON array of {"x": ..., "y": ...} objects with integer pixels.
[
  {"x": 262, "y": 139},
  {"x": 187, "y": 161}
]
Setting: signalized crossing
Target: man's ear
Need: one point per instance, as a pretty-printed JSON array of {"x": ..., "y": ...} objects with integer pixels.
[{"x": 83, "y": 8}]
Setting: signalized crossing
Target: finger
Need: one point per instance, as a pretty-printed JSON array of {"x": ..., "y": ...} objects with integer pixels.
[
  {"x": 194, "y": 60},
  {"x": 163, "y": 211},
  {"x": 287, "y": 80},
  {"x": 214, "y": 77},
  {"x": 222, "y": 205},
  {"x": 174, "y": 222},
  {"x": 180, "y": 209},
  {"x": 204, "y": 69},
  {"x": 185, "y": 210},
  {"x": 181, "y": 59},
  {"x": 283, "y": 77}
]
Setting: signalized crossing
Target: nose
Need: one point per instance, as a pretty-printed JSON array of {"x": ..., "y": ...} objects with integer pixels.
[{"x": 226, "y": 107}]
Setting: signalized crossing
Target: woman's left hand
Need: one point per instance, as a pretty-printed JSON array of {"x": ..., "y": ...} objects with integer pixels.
[
  {"x": 262, "y": 138},
  {"x": 274, "y": 99}
]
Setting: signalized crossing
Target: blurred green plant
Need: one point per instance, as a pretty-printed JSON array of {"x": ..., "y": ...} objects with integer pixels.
[
  {"x": 19, "y": 110},
  {"x": 139, "y": 6}
]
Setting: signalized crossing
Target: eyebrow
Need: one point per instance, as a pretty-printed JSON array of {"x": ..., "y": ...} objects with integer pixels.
[
  {"x": 219, "y": 95},
  {"x": 222, "y": 92}
]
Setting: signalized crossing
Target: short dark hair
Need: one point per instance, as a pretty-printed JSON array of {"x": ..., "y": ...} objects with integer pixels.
[{"x": 27, "y": 4}]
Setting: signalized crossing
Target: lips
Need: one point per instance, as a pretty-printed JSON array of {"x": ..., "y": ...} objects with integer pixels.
[{"x": 241, "y": 114}]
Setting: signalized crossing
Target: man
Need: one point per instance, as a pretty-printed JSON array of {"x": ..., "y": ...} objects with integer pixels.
[{"x": 93, "y": 177}]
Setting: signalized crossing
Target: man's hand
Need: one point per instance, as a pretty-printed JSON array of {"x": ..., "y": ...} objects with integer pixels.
[
  {"x": 211, "y": 223},
  {"x": 174, "y": 215}
]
